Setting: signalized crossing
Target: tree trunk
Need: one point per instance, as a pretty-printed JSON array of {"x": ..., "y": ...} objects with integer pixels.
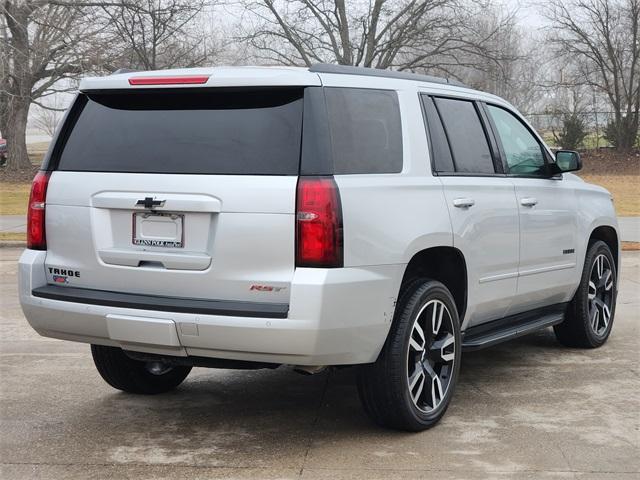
[
  {"x": 631, "y": 133},
  {"x": 626, "y": 133},
  {"x": 15, "y": 129}
]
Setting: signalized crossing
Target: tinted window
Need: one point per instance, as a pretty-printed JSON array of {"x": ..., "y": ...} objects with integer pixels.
[
  {"x": 442, "y": 161},
  {"x": 466, "y": 136},
  {"x": 522, "y": 151},
  {"x": 222, "y": 132},
  {"x": 366, "y": 132}
]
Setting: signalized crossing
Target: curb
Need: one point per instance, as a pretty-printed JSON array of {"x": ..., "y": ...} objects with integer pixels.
[{"x": 13, "y": 244}]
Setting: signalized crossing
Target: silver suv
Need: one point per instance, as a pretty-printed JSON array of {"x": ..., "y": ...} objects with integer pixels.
[{"x": 329, "y": 216}]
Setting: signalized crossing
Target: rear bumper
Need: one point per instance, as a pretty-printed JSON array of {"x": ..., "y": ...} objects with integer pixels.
[
  {"x": 162, "y": 304},
  {"x": 335, "y": 317}
]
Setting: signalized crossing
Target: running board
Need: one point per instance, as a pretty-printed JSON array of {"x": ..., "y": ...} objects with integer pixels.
[{"x": 508, "y": 328}]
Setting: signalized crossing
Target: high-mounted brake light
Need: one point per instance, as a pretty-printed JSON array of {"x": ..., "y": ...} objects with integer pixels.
[
  {"x": 174, "y": 80},
  {"x": 36, "y": 238},
  {"x": 319, "y": 241}
]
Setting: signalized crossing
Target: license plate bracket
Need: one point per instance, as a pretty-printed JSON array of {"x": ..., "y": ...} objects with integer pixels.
[{"x": 158, "y": 229}]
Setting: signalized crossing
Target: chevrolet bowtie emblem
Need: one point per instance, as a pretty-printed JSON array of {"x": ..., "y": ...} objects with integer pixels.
[{"x": 150, "y": 203}]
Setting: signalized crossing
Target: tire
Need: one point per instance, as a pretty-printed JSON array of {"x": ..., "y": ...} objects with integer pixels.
[
  {"x": 134, "y": 376},
  {"x": 589, "y": 317},
  {"x": 390, "y": 389}
]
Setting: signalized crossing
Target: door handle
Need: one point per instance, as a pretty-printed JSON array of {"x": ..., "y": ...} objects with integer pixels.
[
  {"x": 528, "y": 202},
  {"x": 464, "y": 202}
]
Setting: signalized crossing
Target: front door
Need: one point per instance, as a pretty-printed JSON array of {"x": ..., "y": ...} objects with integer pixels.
[{"x": 548, "y": 218}]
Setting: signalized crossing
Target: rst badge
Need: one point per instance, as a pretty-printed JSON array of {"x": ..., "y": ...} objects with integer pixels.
[{"x": 265, "y": 288}]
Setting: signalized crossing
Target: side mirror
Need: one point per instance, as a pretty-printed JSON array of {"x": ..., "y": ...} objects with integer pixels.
[{"x": 568, "y": 161}]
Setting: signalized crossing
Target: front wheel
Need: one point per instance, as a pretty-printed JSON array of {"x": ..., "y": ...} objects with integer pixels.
[
  {"x": 411, "y": 384},
  {"x": 134, "y": 376},
  {"x": 589, "y": 317}
]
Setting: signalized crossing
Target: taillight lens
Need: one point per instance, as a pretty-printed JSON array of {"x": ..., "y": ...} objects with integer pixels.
[
  {"x": 36, "y": 239},
  {"x": 318, "y": 223}
]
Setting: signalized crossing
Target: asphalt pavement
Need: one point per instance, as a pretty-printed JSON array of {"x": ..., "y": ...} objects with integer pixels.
[
  {"x": 629, "y": 228},
  {"x": 13, "y": 223},
  {"x": 529, "y": 409}
]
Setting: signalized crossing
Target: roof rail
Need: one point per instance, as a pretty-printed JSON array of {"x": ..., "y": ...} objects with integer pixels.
[
  {"x": 123, "y": 70},
  {"x": 377, "y": 72}
]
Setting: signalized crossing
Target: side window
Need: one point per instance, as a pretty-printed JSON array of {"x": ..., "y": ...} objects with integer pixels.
[
  {"x": 467, "y": 139},
  {"x": 366, "y": 131},
  {"x": 522, "y": 151},
  {"x": 442, "y": 160}
]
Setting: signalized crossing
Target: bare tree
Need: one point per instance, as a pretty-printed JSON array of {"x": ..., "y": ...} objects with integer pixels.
[
  {"x": 152, "y": 34},
  {"x": 41, "y": 44},
  {"x": 479, "y": 37},
  {"x": 47, "y": 119},
  {"x": 45, "y": 42},
  {"x": 503, "y": 59},
  {"x": 401, "y": 34},
  {"x": 602, "y": 39},
  {"x": 568, "y": 109}
]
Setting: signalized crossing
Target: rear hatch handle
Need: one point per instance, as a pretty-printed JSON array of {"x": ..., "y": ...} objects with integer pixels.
[
  {"x": 140, "y": 258},
  {"x": 169, "y": 202}
]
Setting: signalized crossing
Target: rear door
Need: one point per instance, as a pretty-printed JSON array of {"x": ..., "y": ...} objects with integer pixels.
[
  {"x": 182, "y": 193},
  {"x": 482, "y": 204}
]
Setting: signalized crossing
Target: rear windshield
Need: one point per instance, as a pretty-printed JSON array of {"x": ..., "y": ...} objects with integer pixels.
[{"x": 255, "y": 132}]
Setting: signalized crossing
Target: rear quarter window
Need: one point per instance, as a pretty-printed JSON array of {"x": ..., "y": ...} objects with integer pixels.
[
  {"x": 467, "y": 140},
  {"x": 366, "y": 130},
  {"x": 234, "y": 132}
]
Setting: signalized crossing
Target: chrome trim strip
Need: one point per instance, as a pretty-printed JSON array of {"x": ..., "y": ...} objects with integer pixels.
[{"x": 551, "y": 268}]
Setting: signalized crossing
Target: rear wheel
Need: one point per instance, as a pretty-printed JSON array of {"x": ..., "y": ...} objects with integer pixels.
[
  {"x": 589, "y": 317},
  {"x": 411, "y": 384},
  {"x": 135, "y": 376}
]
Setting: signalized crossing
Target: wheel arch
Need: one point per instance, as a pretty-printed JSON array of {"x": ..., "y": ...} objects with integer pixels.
[
  {"x": 608, "y": 235},
  {"x": 445, "y": 264}
]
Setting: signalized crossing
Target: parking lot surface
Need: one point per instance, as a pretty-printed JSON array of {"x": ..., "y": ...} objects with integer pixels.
[{"x": 528, "y": 409}]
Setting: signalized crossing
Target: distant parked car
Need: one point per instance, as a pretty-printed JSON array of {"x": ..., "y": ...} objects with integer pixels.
[{"x": 3, "y": 152}]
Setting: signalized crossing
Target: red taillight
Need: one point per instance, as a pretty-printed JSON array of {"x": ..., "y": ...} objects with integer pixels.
[
  {"x": 175, "y": 80},
  {"x": 36, "y": 239},
  {"x": 318, "y": 223}
]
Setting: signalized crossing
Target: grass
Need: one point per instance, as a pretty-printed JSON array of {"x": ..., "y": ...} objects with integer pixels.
[
  {"x": 624, "y": 188},
  {"x": 15, "y": 195},
  {"x": 631, "y": 246},
  {"x": 13, "y": 237},
  {"x": 14, "y": 198},
  {"x": 36, "y": 152},
  {"x": 618, "y": 175},
  {"x": 591, "y": 141}
]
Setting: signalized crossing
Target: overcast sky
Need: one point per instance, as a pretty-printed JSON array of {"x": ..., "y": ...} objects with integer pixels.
[
  {"x": 528, "y": 18},
  {"x": 528, "y": 15}
]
